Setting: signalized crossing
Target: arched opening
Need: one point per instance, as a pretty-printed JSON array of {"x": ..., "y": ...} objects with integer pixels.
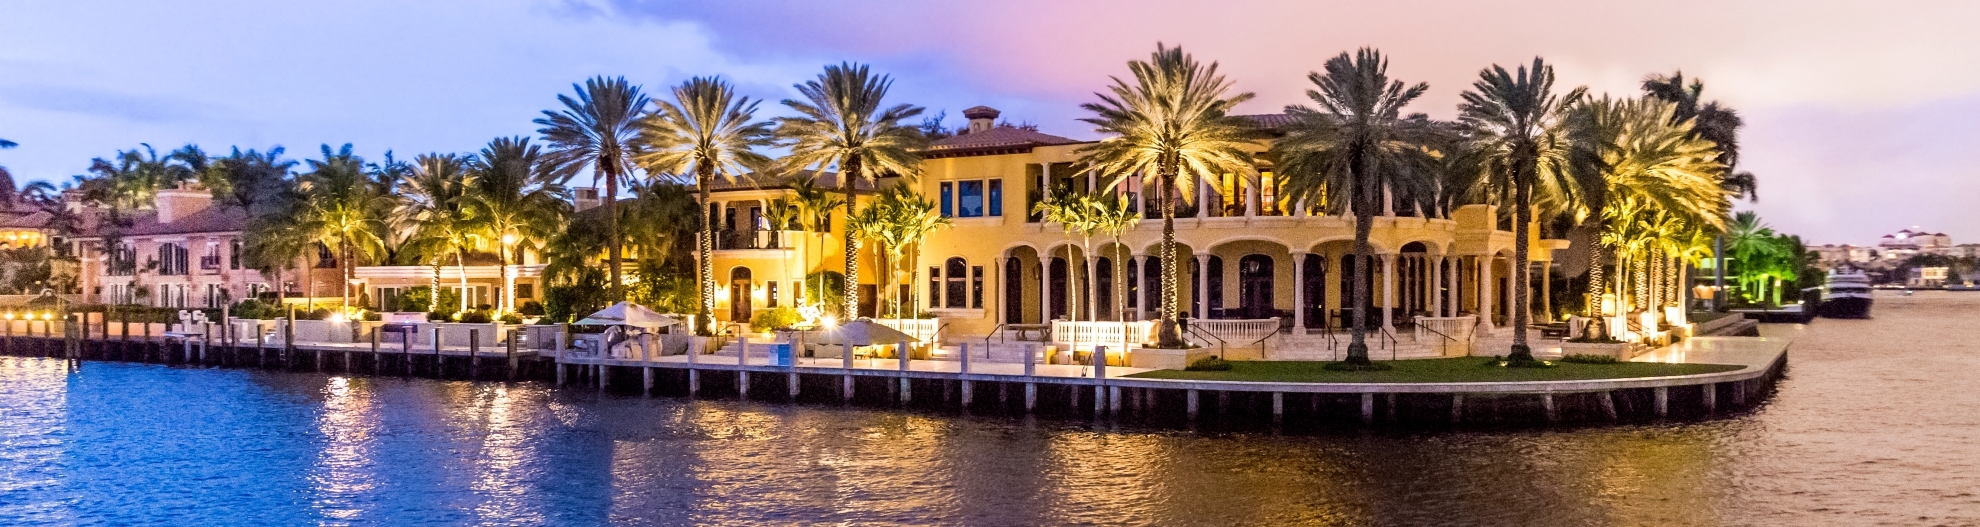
[
  {"x": 1013, "y": 284},
  {"x": 1103, "y": 288},
  {"x": 1057, "y": 282},
  {"x": 1316, "y": 291},
  {"x": 1413, "y": 272},
  {"x": 1255, "y": 287},
  {"x": 739, "y": 294}
]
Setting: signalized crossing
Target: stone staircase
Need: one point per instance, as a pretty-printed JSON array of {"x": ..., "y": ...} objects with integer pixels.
[{"x": 1326, "y": 347}]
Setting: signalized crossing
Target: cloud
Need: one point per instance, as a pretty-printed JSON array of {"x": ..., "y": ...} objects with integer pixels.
[{"x": 89, "y": 101}]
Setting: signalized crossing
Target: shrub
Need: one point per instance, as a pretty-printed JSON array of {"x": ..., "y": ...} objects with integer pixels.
[
  {"x": 1583, "y": 358},
  {"x": 512, "y": 318},
  {"x": 318, "y": 314},
  {"x": 419, "y": 298},
  {"x": 531, "y": 309},
  {"x": 257, "y": 309},
  {"x": 1209, "y": 364},
  {"x": 436, "y": 316},
  {"x": 476, "y": 317},
  {"x": 373, "y": 316},
  {"x": 774, "y": 319}
]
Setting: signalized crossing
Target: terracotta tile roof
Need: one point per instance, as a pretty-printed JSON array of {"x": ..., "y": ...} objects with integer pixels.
[
  {"x": 824, "y": 180},
  {"x": 24, "y": 219},
  {"x": 996, "y": 140},
  {"x": 1270, "y": 121},
  {"x": 212, "y": 220}
]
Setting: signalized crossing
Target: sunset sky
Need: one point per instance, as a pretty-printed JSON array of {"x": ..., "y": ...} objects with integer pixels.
[{"x": 1862, "y": 117}]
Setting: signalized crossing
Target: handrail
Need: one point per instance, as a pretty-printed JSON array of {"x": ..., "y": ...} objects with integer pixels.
[
  {"x": 1442, "y": 347},
  {"x": 1391, "y": 336},
  {"x": 1221, "y": 345},
  {"x": 1260, "y": 343}
]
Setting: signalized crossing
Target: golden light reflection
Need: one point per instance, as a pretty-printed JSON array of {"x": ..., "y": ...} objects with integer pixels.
[{"x": 344, "y": 467}]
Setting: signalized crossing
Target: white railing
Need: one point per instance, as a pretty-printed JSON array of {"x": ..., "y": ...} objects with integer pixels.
[
  {"x": 1078, "y": 335},
  {"x": 1432, "y": 332},
  {"x": 1240, "y": 332},
  {"x": 922, "y": 329}
]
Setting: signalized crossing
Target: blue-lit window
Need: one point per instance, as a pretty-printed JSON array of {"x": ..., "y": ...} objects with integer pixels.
[
  {"x": 996, "y": 197},
  {"x": 969, "y": 202},
  {"x": 948, "y": 200}
]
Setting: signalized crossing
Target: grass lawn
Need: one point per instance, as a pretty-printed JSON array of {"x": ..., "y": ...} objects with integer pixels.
[{"x": 1461, "y": 369}]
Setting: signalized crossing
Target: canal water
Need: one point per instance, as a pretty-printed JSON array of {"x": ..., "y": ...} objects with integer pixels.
[{"x": 1878, "y": 422}]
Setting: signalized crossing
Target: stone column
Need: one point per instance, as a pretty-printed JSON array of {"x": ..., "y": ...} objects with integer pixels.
[
  {"x": 1045, "y": 288},
  {"x": 1388, "y": 291},
  {"x": 1437, "y": 285},
  {"x": 1299, "y": 292},
  {"x": 1252, "y": 196},
  {"x": 997, "y": 292},
  {"x": 1547, "y": 292},
  {"x": 1203, "y": 285},
  {"x": 1485, "y": 290},
  {"x": 1203, "y": 197}
]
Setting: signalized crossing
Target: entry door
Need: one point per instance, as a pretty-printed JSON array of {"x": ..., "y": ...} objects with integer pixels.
[
  {"x": 1255, "y": 286},
  {"x": 739, "y": 308}
]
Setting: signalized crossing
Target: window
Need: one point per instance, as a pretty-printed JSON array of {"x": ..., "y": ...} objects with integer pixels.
[
  {"x": 948, "y": 199},
  {"x": 966, "y": 199},
  {"x": 388, "y": 298},
  {"x": 934, "y": 287},
  {"x": 525, "y": 291},
  {"x": 969, "y": 199},
  {"x": 234, "y": 254},
  {"x": 210, "y": 260},
  {"x": 956, "y": 277},
  {"x": 976, "y": 287},
  {"x": 996, "y": 198},
  {"x": 173, "y": 260},
  {"x": 770, "y": 290}
]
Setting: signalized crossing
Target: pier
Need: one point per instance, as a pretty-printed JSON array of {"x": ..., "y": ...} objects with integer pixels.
[{"x": 965, "y": 383}]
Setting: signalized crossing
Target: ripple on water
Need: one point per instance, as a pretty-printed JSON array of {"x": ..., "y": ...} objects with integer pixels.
[{"x": 1874, "y": 424}]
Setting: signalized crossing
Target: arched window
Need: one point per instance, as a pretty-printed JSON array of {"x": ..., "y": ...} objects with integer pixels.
[{"x": 955, "y": 283}]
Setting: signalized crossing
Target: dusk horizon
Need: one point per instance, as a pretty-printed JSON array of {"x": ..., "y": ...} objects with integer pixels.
[{"x": 1850, "y": 117}]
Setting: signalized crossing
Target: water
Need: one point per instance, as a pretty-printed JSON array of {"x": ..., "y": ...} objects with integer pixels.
[{"x": 1877, "y": 423}]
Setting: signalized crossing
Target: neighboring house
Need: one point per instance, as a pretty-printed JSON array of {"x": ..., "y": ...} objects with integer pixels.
[{"x": 1927, "y": 277}]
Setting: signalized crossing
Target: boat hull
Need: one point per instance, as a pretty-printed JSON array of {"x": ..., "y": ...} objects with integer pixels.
[{"x": 1846, "y": 307}]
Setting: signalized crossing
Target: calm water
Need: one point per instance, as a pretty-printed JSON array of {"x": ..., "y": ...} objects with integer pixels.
[{"x": 1878, "y": 423}]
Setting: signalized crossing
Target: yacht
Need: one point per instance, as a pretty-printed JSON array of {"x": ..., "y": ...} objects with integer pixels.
[{"x": 1847, "y": 295}]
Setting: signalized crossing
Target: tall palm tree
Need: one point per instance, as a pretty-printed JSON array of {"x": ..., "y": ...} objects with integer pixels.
[
  {"x": 1513, "y": 116},
  {"x": 436, "y": 201},
  {"x": 784, "y": 215},
  {"x": 275, "y": 241},
  {"x": 7, "y": 190},
  {"x": 1751, "y": 242},
  {"x": 594, "y": 130},
  {"x": 1356, "y": 148},
  {"x": 706, "y": 132},
  {"x": 1170, "y": 126},
  {"x": 514, "y": 201},
  {"x": 1069, "y": 210},
  {"x": 843, "y": 123},
  {"x": 345, "y": 209}
]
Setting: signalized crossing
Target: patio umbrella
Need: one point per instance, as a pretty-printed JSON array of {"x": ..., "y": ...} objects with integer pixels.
[
  {"x": 862, "y": 332},
  {"x": 628, "y": 314}
]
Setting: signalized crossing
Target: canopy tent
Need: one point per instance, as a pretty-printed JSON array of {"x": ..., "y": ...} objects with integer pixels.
[
  {"x": 863, "y": 332},
  {"x": 628, "y": 314}
]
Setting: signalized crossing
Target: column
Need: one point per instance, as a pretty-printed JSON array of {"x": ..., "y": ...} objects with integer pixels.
[
  {"x": 1044, "y": 288},
  {"x": 1300, "y": 209},
  {"x": 1388, "y": 291},
  {"x": 1202, "y": 197},
  {"x": 1546, "y": 292},
  {"x": 1437, "y": 285},
  {"x": 1388, "y": 203},
  {"x": 997, "y": 291},
  {"x": 1203, "y": 285},
  {"x": 1299, "y": 292},
  {"x": 1252, "y": 197},
  {"x": 1141, "y": 287},
  {"x": 1485, "y": 290}
]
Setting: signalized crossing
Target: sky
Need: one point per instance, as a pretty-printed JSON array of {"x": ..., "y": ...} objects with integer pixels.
[{"x": 1862, "y": 117}]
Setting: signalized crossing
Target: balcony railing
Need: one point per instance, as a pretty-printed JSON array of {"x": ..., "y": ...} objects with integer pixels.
[{"x": 749, "y": 239}]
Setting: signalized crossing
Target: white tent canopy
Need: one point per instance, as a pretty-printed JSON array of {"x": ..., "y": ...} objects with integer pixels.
[
  {"x": 628, "y": 314},
  {"x": 863, "y": 332}
]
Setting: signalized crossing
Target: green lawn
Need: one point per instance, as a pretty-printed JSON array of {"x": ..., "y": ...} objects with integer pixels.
[{"x": 1463, "y": 369}]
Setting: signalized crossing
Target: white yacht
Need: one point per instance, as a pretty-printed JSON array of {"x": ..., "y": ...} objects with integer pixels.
[{"x": 1847, "y": 295}]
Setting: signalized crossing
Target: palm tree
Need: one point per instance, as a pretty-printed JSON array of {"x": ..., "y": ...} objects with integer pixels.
[
  {"x": 435, "y": 201},
  {"x": 784, "y": 215},
  {"x": 7, "y": 191},
  {"x": 1169, "y": 127},
  {"x": 1114, "y": 216},
  {"x": 275, "y": 241},
  {"x": 1351, "y": 152},
  {"x": 1751, "y": 241},
  {"x": 1069, "y": 210},
  {"x": 1711, "y": 121},
  {"x": 706, "y": 132},
  {"x": 513, "y": 200},
  {"x": 898, "y": 219},
  {"x": 246, "y": 179},
  {"x": 593, "y": 130},
  {"x": 1512, "y": 117},
  {"x": 842, "y": 123},
  {"x": 128, "y": 183},
  {"x": 345, "y": 209},
  {"x": 815, "y": 206},
  {"x": 1632, "y": 149}
]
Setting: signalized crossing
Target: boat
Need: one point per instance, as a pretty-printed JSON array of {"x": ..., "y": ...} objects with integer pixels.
[
  {"x": 1846, "y": 295},
  {"x": 1963, "y": 286}
]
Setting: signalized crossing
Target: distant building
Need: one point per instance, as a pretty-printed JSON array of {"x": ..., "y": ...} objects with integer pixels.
[
  {"x": 1905, "y": 243},
  {"x": 1927, "y": 277}
]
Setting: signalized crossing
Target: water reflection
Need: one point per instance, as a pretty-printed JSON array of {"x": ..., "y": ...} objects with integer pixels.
[{"x": 1842, "y": 442}]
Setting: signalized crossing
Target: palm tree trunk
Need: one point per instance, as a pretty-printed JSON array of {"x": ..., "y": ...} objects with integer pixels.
[
  {"x": 704, "y": 268},
  {"x": 1364, "y": 217},
  {"x": 1168, "y": 332},
  {"x": 460, "y": 261},
  {"x": 1521, "y": 266},
  {"x": 610, "y": 168},
  {"x": 1092, "y": 279},
  {"x": 344, "y": 254},
  {"x": 433, "y": 291},
  {"x": 850, "y": 304}
]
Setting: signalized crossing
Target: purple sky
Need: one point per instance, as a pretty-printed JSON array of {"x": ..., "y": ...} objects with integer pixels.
[{"x": 1862, "y": 117}]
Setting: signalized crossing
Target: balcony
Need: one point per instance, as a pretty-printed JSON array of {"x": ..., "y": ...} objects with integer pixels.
[{"x": 741, "y": 239}]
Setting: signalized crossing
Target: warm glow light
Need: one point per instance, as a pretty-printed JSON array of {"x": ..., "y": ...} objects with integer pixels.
[
  {"x": 10, "y": 315},
  {"x": 828, "y": 322},
  {"x": 508, "y": 239}
]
